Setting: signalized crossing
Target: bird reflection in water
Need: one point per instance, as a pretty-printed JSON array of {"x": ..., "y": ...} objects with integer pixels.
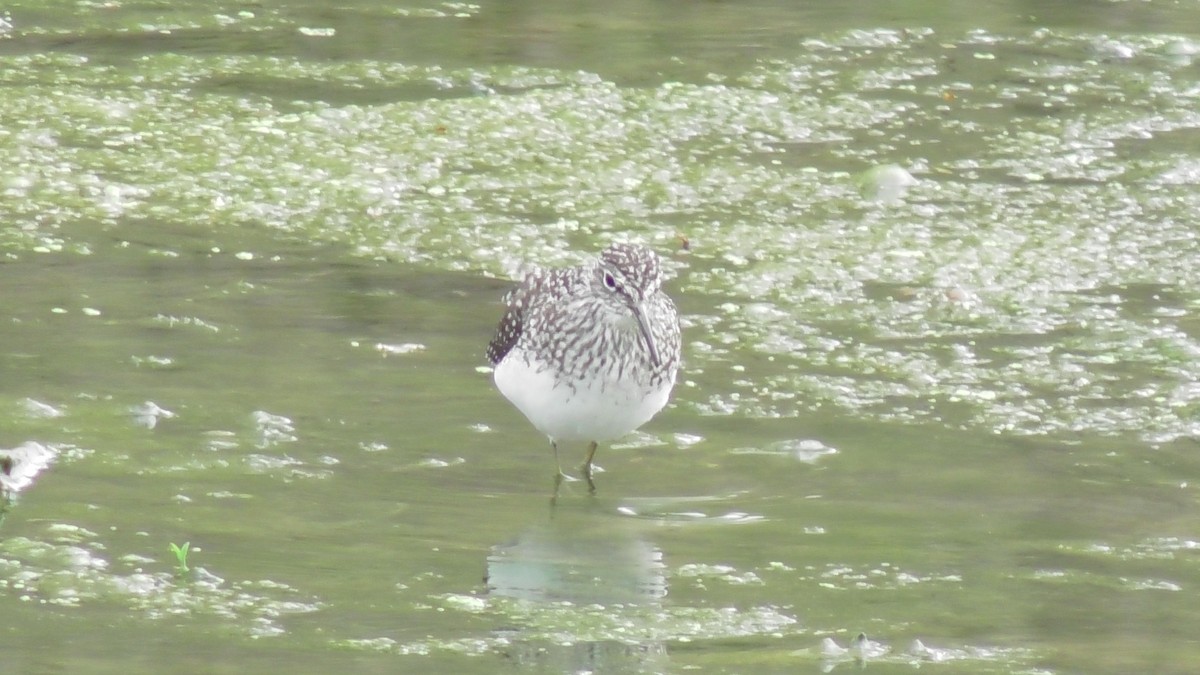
[{"x": 586, "y": 585}]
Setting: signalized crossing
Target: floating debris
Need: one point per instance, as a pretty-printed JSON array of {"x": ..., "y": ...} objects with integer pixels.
[
  {"x": 20, "y": 465},
  {"x": 39, "y": 410},
  {"x": 273, "y": 429},
  {"x": 861, "y": 648},
  {"x": 886, "y": 184},
  {"x": 149, "y": 413},
  {"x": 394, "y": 350}
]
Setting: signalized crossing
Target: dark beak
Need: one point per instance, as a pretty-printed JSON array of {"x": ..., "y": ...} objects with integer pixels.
[{"x": 644, "y": 326}]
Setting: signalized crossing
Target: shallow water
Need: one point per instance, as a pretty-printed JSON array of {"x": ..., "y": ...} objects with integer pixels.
[{"x": 252, "y": 255}]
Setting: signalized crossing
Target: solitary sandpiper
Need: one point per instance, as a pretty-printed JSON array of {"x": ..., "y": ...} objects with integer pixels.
[{"x": 589, "y": 353}]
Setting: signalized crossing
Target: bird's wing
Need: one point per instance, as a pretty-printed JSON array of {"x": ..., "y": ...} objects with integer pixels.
[
  {"x": 516, "y": 303},
  {"x": 523, "y": 301}
]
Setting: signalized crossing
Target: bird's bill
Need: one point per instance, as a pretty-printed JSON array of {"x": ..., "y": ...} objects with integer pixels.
[{"x": 644, "y": 327}]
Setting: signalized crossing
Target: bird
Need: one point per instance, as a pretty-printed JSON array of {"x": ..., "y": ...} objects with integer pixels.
[{"x": 591, "y": 352}]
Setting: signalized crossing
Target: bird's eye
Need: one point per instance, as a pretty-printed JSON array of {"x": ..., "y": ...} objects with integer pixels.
[{"x": 610, "y": 281}]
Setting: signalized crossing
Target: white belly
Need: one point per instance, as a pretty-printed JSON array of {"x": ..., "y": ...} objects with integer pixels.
[{"x": 598, "y": 410}]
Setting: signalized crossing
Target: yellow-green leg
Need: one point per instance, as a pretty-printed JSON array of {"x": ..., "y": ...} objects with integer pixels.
[
  {"x": 587, "y": 467},
  {"x": 562, "y": 475}
]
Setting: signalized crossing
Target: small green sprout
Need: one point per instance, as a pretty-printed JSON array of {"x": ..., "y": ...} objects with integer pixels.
[{"x": 181, "y": 553}]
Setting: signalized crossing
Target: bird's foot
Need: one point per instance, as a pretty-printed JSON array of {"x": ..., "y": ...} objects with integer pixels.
[
  {"x": 559, "y": 478},
  {"x": 587, "y": 470}
]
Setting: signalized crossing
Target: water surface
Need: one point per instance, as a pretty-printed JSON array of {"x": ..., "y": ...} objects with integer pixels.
[{"x": 936, "y": 264}]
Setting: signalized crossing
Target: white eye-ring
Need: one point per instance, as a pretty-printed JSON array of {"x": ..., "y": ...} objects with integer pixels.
[{"x": 610, "y": 281}]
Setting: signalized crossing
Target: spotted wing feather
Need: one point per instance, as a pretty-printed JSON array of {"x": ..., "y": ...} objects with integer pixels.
[
  {"x": 535, "y": 299},
  {"x": 508, "y": 332}
]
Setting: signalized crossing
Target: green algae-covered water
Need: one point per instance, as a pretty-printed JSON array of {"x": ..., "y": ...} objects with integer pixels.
[{"x": 937, "y": 269}]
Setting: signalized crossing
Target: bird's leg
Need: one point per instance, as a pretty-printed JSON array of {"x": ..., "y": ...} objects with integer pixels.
[
  {"x": 558, "y": 478},
  {"x": 587, "y": 467},
  {"x": 587, "y": 463},
  {"x": 561, "y": 476}
]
